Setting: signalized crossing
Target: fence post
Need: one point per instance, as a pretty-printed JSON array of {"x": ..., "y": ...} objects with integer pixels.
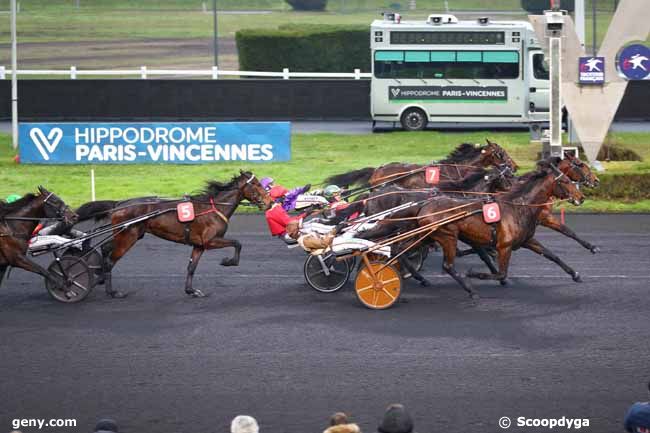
[
  {"x": 285, "y": 73},
  {"x": 143, "y": 72},
  {"x": 3, "y": 73},
  {"x": 357, "y": 74},
  {"x": 215, "y": 72},
  {"x": 73, "y": 72}
]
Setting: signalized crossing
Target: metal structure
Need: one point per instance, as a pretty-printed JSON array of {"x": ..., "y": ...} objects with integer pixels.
[
  {"x": 14, "y": 78},
  {"x": 552, "y": 143}
]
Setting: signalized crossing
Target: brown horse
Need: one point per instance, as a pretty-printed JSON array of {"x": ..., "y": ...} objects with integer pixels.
[
  {"x": 577, "y": 171},
  {"x": 213, "y": 209},
  {"x": 17, "y": 223},
  {"x": 465, "y": 159},
  {"x": 520, "y": 209}
]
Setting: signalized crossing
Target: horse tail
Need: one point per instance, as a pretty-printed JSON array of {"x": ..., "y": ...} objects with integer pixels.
[
  {"x": 96, "y": 210},
  {"x": 351, "y": 177}
]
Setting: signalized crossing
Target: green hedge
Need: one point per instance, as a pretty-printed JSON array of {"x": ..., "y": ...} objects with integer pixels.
[
  {"x": 537, "y": 7},
  {"x": 626, "y": 187},
  {"x": 305, "y": 48},
  {"x": 308, "y": 5}
]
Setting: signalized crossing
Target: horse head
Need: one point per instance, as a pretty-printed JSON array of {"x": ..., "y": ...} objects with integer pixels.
[
  {"x": 564, "y": 188},
  {"x": 54, "y": 207},
  {"x": 500, "y": 178},
  {"x": 495, "y": 155},
  {"x": 581, "y": 171},
  {"x": 253, "y": 190}
]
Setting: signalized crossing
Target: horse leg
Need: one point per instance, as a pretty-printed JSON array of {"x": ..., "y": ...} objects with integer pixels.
[
  {"x": 503, "y": 256},
  {"x": 122, "y": 242},
  {"x": 197, "y": 252},
  {"x": 536, "y": 247},
  {"x": 3, "y": 269},
  {"x": 20, "y": 261},
  {"x": 485, "y": 257},
  {"x": 449, "y": 254},
  {"x": 552, "y": 223},
  {"x": 406, "y": 264},
  {"x": 216, "y": 243}
]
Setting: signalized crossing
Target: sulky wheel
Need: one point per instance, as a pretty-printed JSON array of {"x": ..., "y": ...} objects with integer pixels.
[
  {"x": 93, "y": 259},
  {"x": 326, "y": 274},
  {"x": 416, "y": 257},
  {"x": 73, "y": 279},
  {"x": 380, "y": 292}
]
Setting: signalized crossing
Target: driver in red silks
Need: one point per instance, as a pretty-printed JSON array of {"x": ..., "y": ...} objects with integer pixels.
[{"x": 277, "y": 218}]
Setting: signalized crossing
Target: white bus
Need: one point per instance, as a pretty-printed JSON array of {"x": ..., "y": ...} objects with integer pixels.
[{"x": 448, "y": 71}]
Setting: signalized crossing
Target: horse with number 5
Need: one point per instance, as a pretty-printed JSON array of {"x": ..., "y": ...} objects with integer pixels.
[{"x": 200, "y": 221}]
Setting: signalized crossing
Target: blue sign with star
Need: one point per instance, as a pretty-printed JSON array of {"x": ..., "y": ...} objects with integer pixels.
[{"x": 634, "y": 62}]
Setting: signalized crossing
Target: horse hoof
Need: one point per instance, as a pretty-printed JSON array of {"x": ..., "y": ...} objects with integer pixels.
[
  {"x": 229, "y": 262},
  {"x": 425, "y": 283},
  {"x": 117, "y": 294},
  {"x": 503, "y": 282},
  {"x": 577, "y": 278},
  {"x": 196, "y": 294},
  {"x": 474, "y": 296},
  {"x": 595, "y": 250}
]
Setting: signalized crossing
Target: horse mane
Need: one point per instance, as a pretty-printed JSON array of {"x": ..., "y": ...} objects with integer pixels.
[
  {"x": 525, "y": 183},
  {"x": 7, "y": 208},
  {"x": 462, "y": 153},
  {"x": 466, "y": 182},
  {"x": 546, "y": 163},
  {"x": 214, "y": 187}
]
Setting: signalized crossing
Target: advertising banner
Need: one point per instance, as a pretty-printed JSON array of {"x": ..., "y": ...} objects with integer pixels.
[
  {"x": 448, "y": 93},
  {"x": 137, "y": 143}
]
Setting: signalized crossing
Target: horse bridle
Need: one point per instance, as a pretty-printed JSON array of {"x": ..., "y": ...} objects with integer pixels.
[
  {"x": 59, "y": 209},
  {"x": 256, "y": 194}
]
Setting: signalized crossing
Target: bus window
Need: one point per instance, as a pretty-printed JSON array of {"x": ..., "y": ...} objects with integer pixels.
[
  {"x": 447, "y": 64},
  {"x": 540, "y": 67}
]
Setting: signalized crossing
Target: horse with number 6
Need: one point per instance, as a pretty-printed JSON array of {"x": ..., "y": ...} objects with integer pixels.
[
  {"x": 200, "y": 221},
  {"x": 506, "y": 224}
]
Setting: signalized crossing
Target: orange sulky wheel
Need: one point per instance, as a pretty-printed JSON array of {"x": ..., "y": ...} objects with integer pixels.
[{"x": 379, "y": 293}]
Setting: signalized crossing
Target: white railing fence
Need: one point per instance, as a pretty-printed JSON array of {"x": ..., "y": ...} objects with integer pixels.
[{"x": 143, "y": 72}]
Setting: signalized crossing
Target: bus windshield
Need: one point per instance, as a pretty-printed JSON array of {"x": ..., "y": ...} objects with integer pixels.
[{"x": 447, "y": 64}]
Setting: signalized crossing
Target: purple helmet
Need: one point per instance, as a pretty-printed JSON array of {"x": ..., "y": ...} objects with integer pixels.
[{"x": 266, "y": 183}]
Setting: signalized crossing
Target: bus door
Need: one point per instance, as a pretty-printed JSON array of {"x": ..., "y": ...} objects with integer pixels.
[{"x": 539, "y": 81}]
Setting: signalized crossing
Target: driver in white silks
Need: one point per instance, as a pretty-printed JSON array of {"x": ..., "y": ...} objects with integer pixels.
[{"x": 315, "y": 237}]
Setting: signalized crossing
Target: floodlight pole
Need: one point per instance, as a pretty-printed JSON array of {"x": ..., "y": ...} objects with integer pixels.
[
  {"x": 593, "y": 27},
  {"x": 214, "y": 41},
  {"x": 14, "y": 79}
]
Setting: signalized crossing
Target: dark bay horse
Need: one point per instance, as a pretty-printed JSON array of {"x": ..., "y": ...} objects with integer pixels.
[
  {"x": 579, "y": 172},
  {"x": 213, "y": 208},
  {"x": 462, "y": 161},
  {"x": 520, "y": 209},
  {"x": 17, "y": 223}
]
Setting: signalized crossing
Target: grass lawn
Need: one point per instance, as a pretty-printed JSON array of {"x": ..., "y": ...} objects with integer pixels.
[{"x": 315, "y": 156}]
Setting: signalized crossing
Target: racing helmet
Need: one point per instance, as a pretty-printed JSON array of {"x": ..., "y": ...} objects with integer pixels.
[
  {"x": 266, "y": 183},
  {"x": 12, "y": 198},
  {"x": 278, "y": 192},
  {"x": 330, "y": 191}
]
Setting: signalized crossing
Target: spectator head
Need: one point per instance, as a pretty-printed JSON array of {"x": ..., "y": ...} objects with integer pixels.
[
  {"x": 244, "y": 424},
  {"x": 106, "y": 425},
  {"x": 396, "y": 420},
  {"x": 338, "y": 418}
]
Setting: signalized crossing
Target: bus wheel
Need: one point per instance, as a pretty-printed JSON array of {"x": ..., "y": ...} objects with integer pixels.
[{"x": 414, "y": 119}]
